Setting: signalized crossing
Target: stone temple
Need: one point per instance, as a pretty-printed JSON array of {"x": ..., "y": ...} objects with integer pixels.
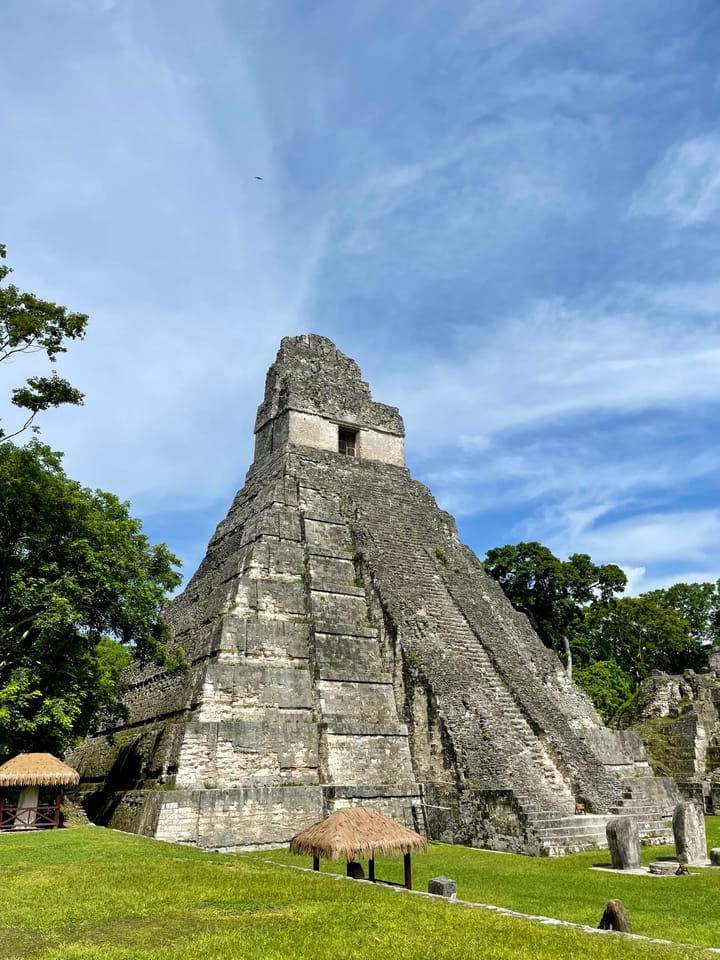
[{"x": 345, "y": 647}]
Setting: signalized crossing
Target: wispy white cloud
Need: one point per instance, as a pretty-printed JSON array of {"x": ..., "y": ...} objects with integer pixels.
[
  {"x": 178, "y": 253},
  {"x": 445, "y": 195},
  {"x": 685, "y": 185},
  {"x": 561, "y": 360},
  {"x": 640, "y": 582},
  {"x": 650, "y": 538}
]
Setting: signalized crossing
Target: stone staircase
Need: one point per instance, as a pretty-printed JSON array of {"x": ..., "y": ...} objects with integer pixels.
[
  {"x": 636, "y": 802},
  {"x": 437, "y": 632},
  {"x": 429, "y": 608}
]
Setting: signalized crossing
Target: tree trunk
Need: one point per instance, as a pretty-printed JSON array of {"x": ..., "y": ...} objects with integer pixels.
[{"x": 568, "y": 656}]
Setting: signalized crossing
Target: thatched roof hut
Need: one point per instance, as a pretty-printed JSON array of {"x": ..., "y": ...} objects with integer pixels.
[
  {"x": 352, "y": 833},
  {"x": 37, "y": 770}
]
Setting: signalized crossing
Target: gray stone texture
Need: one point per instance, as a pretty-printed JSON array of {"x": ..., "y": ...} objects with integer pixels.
[
  {"x": 624, "y": 843},
  {"x": 664, "y": 868},
  {"x": 689, "y": 705},
  {"x": 344, "y": 647},
  {"x": 715, "y": 856},
  {"x": 689, "y": 829},
  {"x": 443, "y": 887}
]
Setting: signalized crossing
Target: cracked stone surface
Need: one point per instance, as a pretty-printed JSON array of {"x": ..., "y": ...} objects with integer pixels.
[{"x": 345, "y": 647}]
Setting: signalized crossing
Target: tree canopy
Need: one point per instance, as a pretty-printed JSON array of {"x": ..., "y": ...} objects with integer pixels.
[
  {"x": 77, "y": 578},
  {"x": 551, "y": 592},
  {"x": 29, "y": 325},
  {"x": 615, "y": 641}
]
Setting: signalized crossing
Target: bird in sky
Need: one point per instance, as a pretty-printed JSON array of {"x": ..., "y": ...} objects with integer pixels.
[{"x": 258, "y": 178}]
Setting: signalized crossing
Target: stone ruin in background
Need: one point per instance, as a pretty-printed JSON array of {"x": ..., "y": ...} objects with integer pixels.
[
  {"x": 345, "y": 647},
  {"x": 680, "y": 722}
]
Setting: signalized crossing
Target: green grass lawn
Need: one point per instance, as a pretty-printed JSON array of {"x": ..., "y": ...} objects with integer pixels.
[
  {"x": 88, "y": 893},
  {"x": 567, "y": 889}
]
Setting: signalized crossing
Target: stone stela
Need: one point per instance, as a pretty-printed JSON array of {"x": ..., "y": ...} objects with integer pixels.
[{"x": 344, "y": 647}]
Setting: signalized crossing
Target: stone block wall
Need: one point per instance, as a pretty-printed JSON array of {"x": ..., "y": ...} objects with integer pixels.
[
  {"x": 343, "y": 647},
  {"x": 680, "y": 717}
]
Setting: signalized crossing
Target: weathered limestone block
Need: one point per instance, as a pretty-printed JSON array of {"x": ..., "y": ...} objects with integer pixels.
[
  {"x": 348, "y": 658},
  {"x": 443, "y": 887},
  {"x": 624, "y": 843},
  {"x": 328, "y": 539},
  {"x": 264, "y": 746},
  {"x": 341, "y": 613},
  {"x": 243, "y": 818},
  {"x": 362, "y": 759},
  {"x": 280, "y": 639},
  {"x": 689, "y": 829},
  {"x": 365, "y": 703},
  {"x": 335, "y": 574},
  {"x": 322, "y": 505},
  {"x": 230, "y": 687}
]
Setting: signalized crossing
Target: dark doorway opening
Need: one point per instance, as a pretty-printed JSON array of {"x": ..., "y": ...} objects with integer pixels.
[{"x": 347, "y": 441}]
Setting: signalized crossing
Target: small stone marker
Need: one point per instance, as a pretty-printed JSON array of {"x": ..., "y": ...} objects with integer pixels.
[
  {"x": 616, "y": 916},
  {"x": 715, "y": 857},
  {"x": 624, "y": 843},
  {"x": 689, "y": 829},
  {"x": 443, "y": 887}
]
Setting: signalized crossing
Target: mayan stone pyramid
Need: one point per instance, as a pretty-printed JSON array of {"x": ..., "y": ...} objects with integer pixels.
[{"x": 344, "y": 647}]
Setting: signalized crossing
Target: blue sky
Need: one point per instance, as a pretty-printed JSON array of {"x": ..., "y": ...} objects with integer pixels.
[{"x": 508, "y": 212}]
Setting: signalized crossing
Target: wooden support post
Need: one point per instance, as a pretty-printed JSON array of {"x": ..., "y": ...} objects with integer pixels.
[
  {"x": 316, "y": 863},
  {"x": 408, "y": 871},
  {"x": 371, "y": 869},
  {"x": 56, "y": 817}
]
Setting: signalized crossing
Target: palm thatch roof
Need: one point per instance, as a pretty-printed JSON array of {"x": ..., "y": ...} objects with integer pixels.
[
  {"x": 37, "y": 770},
  {"x": 353, "y": 832}
]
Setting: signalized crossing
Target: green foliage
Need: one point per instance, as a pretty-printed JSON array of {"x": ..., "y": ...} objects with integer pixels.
[
  {"x": 110, "y": 896},
  {"x": 29, "y": 325},
  {"x": 442, "y": 556},
  {"x": 640, "y": 635},
  {"x": 609, "y": 688},
  {"x": 111, "y": 658},
  {"x": 553, "y": 593},
  {"x": 663, "y": 756},
  {"x": 699, "y": 606},
  {"x": 75, "y": 568},
  {"x": 614, "y": 642}
]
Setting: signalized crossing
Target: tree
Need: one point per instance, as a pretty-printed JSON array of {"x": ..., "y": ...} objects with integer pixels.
[
  {"x": 553, "y": 593},
  {"x": 699, "y": 606},
  {"x": 75, "y": 569},
  {"x": 609, "y": 688},
  {"x": 641, "y": 635},
  {"x": 29, "y": 325}
]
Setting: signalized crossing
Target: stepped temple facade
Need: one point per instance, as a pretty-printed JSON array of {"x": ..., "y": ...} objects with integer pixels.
[{"x": 344, "y": 647}]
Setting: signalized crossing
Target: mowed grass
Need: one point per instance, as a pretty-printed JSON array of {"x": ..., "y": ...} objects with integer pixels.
[
  {"x": 89, "y": 893},
  {"x": 682, "y": 909}
]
